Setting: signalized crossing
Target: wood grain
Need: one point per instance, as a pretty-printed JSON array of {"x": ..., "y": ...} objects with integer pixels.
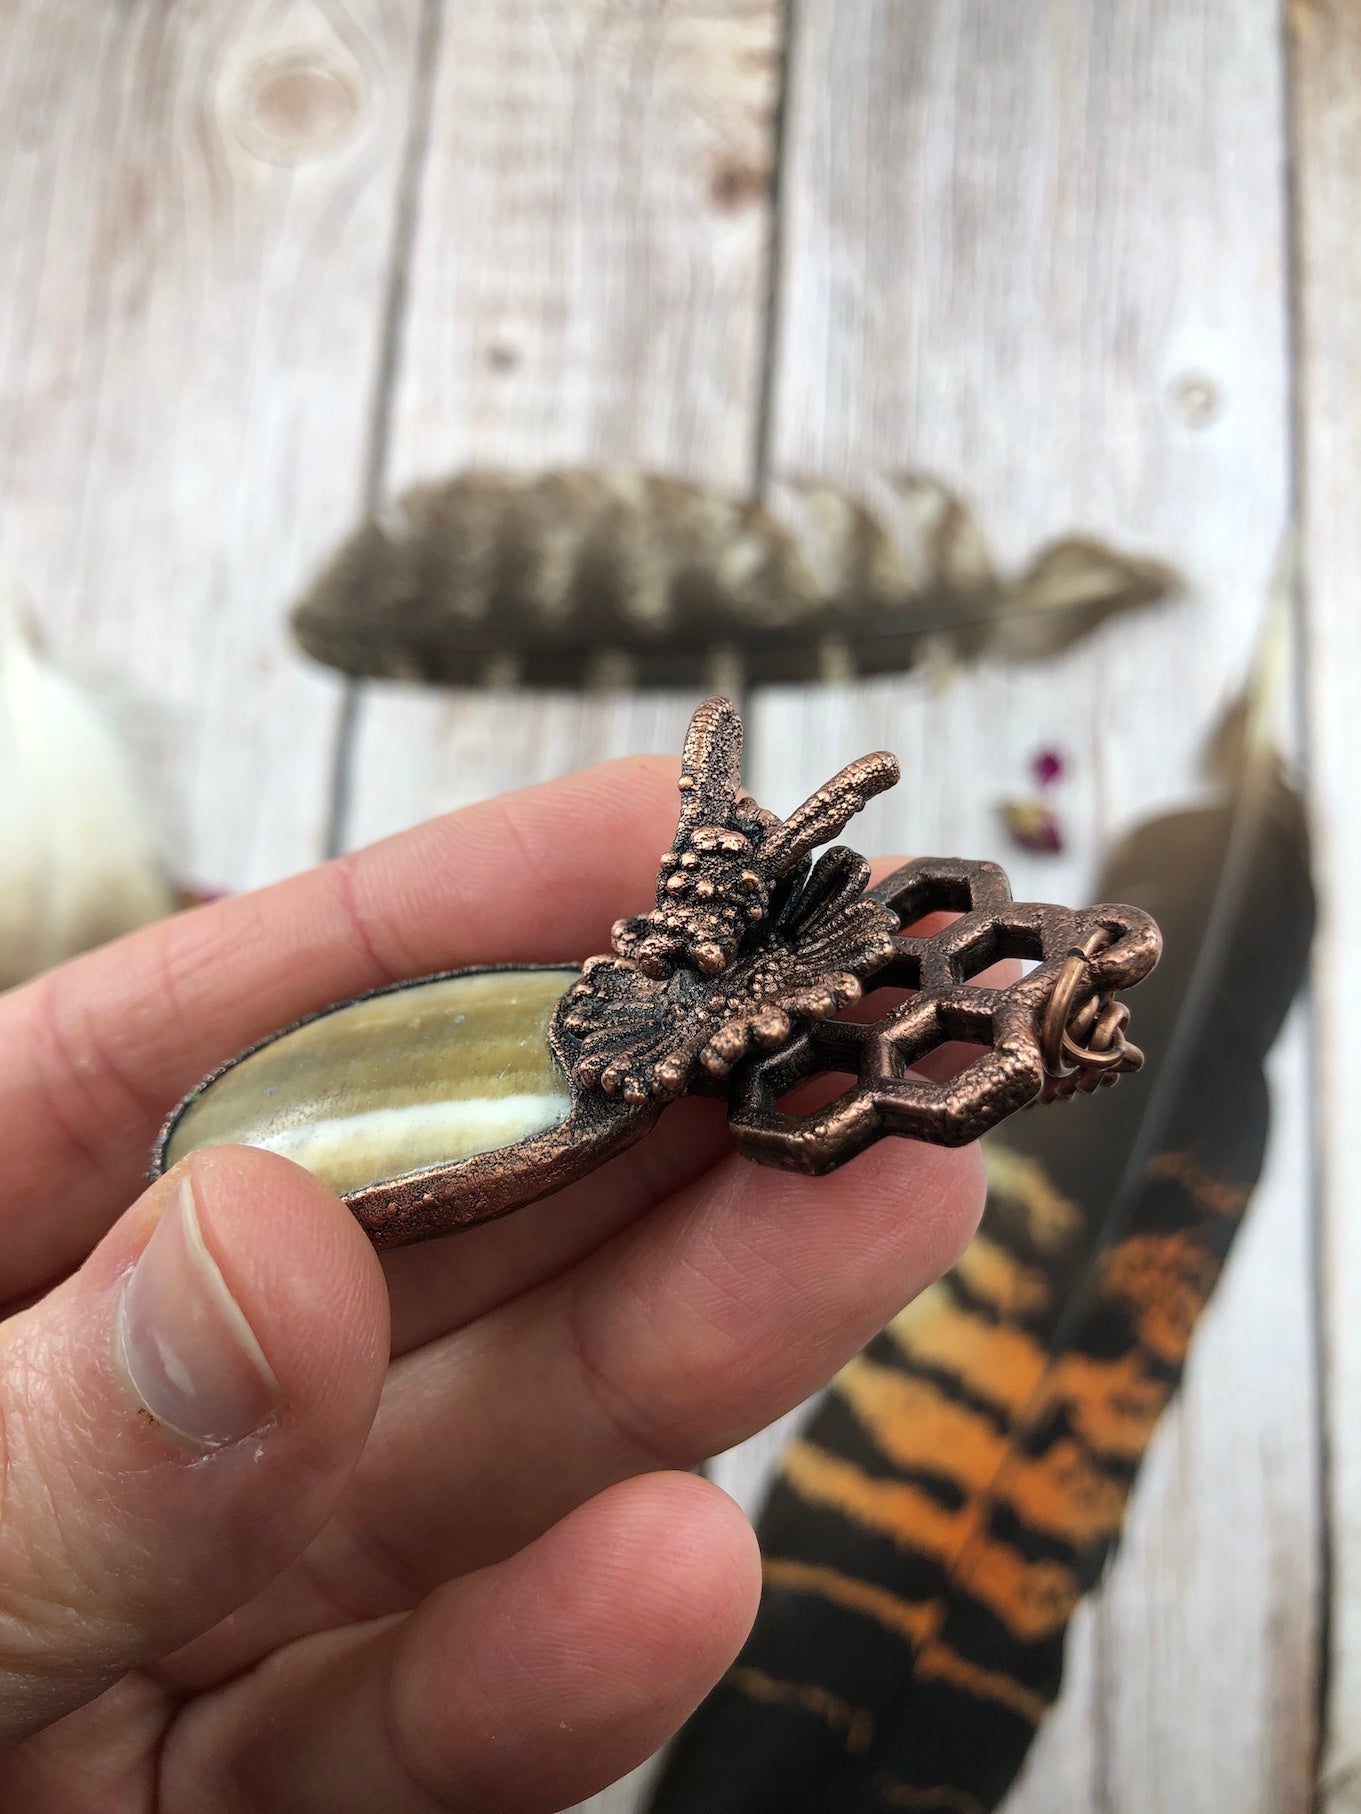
[
  {"x": 197, "y": 204},
  {"x": 587, "y": 286},
  {"x": 267, "y": 259},
  {"x": 1041, "y": 251},
  {"x": 1326, "y": 67}
]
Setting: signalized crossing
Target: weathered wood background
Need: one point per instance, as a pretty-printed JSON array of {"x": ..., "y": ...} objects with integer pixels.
[{"x": 1097, "y": 265}]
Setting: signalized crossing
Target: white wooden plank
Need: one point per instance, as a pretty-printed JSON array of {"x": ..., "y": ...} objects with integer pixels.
[
  {"x": 1326, "y": 70},
  {"x": 1208, "y": 1633},
  {"x": 587, "y": 286},
  {"x": 1061, "y": 1769},
  {"x": 196, "y": 205},
  {"x": 1041, "y": 252}
]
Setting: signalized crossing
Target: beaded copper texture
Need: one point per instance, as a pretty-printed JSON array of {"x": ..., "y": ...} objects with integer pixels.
[
  {"x": 749, "y": 938},
  {"x": 745, "y": 966}
]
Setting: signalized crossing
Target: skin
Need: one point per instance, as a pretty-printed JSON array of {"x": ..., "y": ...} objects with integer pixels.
[{"x": 454, "y": 1565}]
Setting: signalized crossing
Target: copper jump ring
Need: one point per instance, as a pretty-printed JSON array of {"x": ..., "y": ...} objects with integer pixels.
[{"x": 1090, "y": 1038}]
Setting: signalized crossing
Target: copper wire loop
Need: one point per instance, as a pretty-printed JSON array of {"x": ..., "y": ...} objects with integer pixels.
[{"x": 1085, "y": 1045}]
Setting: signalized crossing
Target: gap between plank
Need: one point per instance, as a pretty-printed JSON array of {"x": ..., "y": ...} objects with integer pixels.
[
  {"x": 765, "y": 398},
  {"x": 1297, "y": 403},
  {"x": 392, "y": 324}
]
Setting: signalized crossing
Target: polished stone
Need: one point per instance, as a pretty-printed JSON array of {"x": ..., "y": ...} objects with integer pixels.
[{"x": 377, "y": 1089}]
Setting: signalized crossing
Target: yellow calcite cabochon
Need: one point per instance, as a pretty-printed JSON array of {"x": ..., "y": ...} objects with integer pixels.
[{"x": 375, "y": 1089}]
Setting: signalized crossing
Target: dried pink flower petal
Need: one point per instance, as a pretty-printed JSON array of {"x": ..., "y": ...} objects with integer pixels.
[{"x": 1047, "y": 766}]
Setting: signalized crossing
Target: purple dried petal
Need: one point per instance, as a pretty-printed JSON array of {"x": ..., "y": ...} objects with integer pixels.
[{"x": 1047, "y": 767}]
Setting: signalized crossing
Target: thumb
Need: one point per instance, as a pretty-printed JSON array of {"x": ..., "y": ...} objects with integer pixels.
[{"x": 176, "y": 1422}]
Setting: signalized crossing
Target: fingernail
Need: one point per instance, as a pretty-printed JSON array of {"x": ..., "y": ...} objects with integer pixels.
[{"x": 186, "y": 1348}]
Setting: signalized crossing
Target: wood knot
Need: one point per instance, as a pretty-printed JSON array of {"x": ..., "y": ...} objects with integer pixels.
[
  {"x": 294, "y": 107},
  {"x": 1196, "y": 399},
  {"x": 734, "y": 185}
]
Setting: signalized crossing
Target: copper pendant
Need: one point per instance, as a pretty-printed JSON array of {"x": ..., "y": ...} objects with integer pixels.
[{"x": 447, "y": 1101}]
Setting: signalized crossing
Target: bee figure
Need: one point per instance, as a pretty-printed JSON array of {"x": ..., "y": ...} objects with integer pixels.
[{"x": 747, "y": 936}]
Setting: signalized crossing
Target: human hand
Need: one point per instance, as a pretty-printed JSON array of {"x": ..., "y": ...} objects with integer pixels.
[{"x": 451, "y": 1571}]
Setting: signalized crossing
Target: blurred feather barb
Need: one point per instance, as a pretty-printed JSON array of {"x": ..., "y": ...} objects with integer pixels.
[{"x": 615, "y": 579}]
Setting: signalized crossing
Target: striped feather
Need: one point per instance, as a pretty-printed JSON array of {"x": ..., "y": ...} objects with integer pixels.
[
  {"x": 961, "y": 1486},
  {"x": 632, "y": 579}
]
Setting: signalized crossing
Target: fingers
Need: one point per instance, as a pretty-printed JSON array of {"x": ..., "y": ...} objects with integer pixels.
[
  {"x": 94, "y": 1055},
  {"x": 177, "y": 1421},
  {"x": 685, "y": 1332},
  {"x": 516, "y": 1691},
  {"x": 441, "y": 1285}
]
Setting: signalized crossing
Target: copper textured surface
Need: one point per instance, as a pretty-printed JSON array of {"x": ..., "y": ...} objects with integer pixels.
[
  {"x": 734, "y": 984},
  {"x": 748, "y": 951},
  {"x": 945, "y": 1006},
  {"x": 748, "y": 939}
]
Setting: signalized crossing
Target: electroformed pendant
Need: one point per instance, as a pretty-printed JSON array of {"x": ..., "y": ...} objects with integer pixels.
[{"x": 439, "y": 1103}]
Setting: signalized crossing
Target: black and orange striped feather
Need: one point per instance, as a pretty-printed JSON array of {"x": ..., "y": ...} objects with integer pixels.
[{"x": 960, "y": 1487}]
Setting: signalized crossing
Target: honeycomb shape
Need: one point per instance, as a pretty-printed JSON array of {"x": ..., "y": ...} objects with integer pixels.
[{"x": 945, "y": 1006}]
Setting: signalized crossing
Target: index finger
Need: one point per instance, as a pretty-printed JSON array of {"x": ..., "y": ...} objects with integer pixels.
[{"x": 95, "y": 1054}]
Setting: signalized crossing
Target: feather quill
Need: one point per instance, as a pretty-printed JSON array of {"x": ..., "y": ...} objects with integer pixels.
[
  {"x": 80, "y": 856},
  {"x": 961, "y": 1486}
]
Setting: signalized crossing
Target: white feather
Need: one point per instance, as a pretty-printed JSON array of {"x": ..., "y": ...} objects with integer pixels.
[{"x": 80, "y": 858}]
